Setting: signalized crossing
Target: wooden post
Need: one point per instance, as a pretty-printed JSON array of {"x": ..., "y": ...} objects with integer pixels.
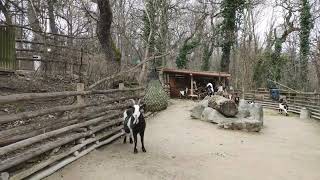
[
  {"x": 191, "y": 85},
  {"x": 80, "y": 99},
  {"x": 304, "y": 113}
]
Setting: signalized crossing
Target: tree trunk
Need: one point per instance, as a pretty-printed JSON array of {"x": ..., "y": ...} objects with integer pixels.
[
  {"x": 6, "y": 13},
  {"x": 53, "y": 26},
  {"x": 104, "y": 33},
  {"x": 225, "y": 106}
]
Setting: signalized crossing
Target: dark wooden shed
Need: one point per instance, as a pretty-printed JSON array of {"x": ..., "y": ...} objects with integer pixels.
[{"x": 179, "y": 80}]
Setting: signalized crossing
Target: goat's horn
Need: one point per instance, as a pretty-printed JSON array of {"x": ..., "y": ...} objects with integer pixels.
[
  {"x": 139, "y": 101},
  {"x": 133, "y": 101}
]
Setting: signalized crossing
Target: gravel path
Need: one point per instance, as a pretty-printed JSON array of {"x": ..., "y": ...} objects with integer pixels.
[{"x": 184, "y": 149}]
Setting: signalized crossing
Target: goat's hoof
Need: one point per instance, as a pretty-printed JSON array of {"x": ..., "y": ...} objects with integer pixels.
[
  {"x": 144, "y": 150},
  {"x": 135, "y": 151},
  {"x": 131, "y": 142}
]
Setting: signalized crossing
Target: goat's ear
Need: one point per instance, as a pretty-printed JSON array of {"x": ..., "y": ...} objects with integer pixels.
[{"x": 142, "y": 107}]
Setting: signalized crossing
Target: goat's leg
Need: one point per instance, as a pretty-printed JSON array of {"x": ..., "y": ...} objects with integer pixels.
[
  {"x": 135, "y": 150},
  {"x": 142, "y": 141},
  {"x": 125, "y": 139},
  {"x": 131, "y": 136}
]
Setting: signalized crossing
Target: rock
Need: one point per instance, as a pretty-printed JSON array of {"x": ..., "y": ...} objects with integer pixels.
[
  {"x": 256, "y": 112},
  {"x": 250, "y": 118},
  {"x": 196, "y": 112},
  {"x": 212, "y": 115},
  {"x": 204, "y": 102},
  {"x": 225, "y": 106},
  {"x": 242, "y": 124},
  {"x": 4, "y": 176},
  {"x": 243, "y": 109}
]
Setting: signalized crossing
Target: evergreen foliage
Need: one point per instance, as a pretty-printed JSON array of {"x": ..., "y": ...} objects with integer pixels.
[{"x": 306, "y": 26}]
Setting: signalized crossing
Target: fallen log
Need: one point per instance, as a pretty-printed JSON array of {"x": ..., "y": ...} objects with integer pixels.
[
  {"x": 53, "y": 159},
  {"x": 225, "y": 106}
]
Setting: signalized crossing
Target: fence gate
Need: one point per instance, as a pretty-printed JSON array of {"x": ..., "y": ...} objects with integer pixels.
[{"x": 7, "y": 49}]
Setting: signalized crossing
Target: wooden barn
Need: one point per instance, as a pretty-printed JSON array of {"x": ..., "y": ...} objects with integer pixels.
[{"x": 195, "y": 81}]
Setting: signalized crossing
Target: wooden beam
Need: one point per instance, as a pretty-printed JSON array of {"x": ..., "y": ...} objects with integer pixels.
[
  {"x": 191, "y": 84},
  {"x": 35, "y": 96},
  {"x": 27, "y": 115},
  {"x": 53, "y": 159},
  {"x": 30, "y": 141}
]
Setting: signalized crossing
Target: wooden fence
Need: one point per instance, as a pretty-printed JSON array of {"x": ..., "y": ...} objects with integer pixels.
[
  {"x": 58, "y": 53},
  {"x": 36, "y": 143},
  {"x": 7, "y": 49},
  {"x": 296, "y": 101}
]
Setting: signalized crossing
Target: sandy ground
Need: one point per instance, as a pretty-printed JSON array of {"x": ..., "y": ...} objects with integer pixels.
[{"x": 182, "y": 148}]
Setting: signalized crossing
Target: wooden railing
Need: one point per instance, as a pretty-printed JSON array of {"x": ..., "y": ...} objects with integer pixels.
[
  {"x": 36, "y": 143},
  {"x": 296, "y": 101}
]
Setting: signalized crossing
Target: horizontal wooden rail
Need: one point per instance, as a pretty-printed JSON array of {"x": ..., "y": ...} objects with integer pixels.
[
  {"x": 49, "y": 61},
  {"x": 36, "y": 96},
  {"x": 27, "y": 142},
  {"x": 54, "y": 168},
  {"x": 33, "y": 152},
  {"x": 52, "y": 45},
  {"x": 55, "y": 158},
  {"x": 32, "y": 114}
]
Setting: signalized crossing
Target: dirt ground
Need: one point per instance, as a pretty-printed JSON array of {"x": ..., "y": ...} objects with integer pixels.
[{"x": 181, "y": 148}]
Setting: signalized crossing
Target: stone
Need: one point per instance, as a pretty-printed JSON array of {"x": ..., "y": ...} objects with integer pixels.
[
  {"x": 242, "y": 124},
  {"x": 212, "y": 115},
  {"x": 4, "y": 176},
  {"x": 196, "y": 112},
  {"x": 204, "y": 102},
  {"x": 256, "y": 112},
  {"x": 243, "y": 109},
  {"x": 250, "y": 118}
]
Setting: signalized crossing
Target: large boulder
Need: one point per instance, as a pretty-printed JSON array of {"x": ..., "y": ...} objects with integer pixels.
[
  {"x": 250, "y": 118},
  {"x": 243, "y": 109},
  {"x": 256, "y": 112},
  {"x": 212, "y": 115},
  {"x": 196, "y": 112}
]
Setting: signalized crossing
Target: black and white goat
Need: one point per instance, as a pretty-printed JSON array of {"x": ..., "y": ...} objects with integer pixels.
[
  {"x": 210, "y": 90},
  {"x": 134, "y": 124},
  {"x": 283, "y": 107}
]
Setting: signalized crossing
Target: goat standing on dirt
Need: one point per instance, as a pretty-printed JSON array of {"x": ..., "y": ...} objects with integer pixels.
[
  {"x": 134, "y": 124},
  {"x": 210, "y": 90},
  {"x": 283, "y": 106}
]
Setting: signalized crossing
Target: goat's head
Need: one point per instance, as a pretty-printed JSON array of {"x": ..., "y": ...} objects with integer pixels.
[{"x": 138, "y": 108}]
